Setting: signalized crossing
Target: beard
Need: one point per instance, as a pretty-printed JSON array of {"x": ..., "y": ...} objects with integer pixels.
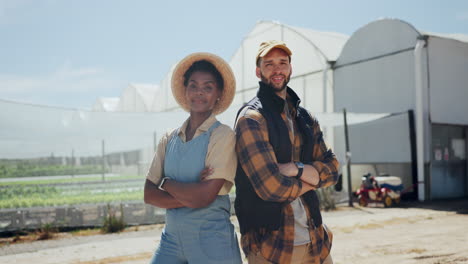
[{"x": 276, "y": 87}]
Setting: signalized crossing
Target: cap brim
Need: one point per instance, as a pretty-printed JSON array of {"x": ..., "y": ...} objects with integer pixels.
[{"x": 279, "y": 46}]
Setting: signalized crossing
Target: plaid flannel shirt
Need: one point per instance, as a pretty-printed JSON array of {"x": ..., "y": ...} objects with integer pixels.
[{"x": 258, "y": 161}]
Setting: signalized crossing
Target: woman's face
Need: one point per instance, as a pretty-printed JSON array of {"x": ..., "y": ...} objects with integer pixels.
[{"x": 202, "y": 92}]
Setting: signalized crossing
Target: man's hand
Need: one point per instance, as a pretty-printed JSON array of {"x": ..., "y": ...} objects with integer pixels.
[
  {"x": 288, "y": 169},
  {"x": 310, "y": 174}
]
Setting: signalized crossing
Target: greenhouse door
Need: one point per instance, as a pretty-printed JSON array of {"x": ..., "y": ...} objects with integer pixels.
[{"x": 449, "y": 163}]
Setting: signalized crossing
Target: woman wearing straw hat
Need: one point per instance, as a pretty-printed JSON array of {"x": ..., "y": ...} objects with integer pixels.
[{"x": 194, "y": 168}]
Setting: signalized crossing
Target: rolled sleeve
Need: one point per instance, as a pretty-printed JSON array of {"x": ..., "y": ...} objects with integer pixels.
[
  {"x": 156, "y": 169},
  {"x": 221, "y": 156},
  {"x": 325, "y": 161},
  {"x": 257, "y": 158}
]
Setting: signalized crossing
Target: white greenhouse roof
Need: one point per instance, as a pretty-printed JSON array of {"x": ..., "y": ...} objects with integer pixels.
[
  {"x": 386, "y": 36},
  {"x": 457, "y": 36},
  {"x": 106, "y": 104},
  {"x": 137, "y": 98}
]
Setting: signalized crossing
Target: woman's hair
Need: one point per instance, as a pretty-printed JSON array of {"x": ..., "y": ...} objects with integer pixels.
[{"x": 204, "y": 66}]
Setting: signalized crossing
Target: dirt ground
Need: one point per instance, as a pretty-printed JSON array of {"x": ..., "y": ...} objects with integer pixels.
[{"x": 428, "y": 233}]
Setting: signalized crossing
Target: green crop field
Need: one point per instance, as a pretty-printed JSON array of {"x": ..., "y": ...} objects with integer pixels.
[
  {"x": 12, "y": 169},
  {"x": 71, "y": 180},
  {"x": 57, "y": 192}
]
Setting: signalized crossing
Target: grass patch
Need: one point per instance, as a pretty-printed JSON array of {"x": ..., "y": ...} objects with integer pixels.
[
  {"x": 326, "y": 197},
  {"x": 112, "y": 223},
  {"x": 47, "y": 231},
  {"x": 86, "y": 232}
]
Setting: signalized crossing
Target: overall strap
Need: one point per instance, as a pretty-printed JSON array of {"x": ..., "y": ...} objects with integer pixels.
[{"x": 213, "y": 127}]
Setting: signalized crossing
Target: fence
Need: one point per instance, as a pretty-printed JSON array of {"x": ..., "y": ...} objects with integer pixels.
[{"x": 90, "y": 215}]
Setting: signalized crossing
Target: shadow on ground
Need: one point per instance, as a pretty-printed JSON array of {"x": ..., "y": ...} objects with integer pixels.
[{"x": 460, "y": 205}]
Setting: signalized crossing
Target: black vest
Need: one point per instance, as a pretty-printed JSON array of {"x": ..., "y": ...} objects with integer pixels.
[{"x": 253, "y": 213}]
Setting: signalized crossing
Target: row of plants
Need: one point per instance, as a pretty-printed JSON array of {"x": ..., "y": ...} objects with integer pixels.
[
  {"x": 26, "y": 195},
  {"x": 72, "y": 180},
  {"x": 25, "y": 169},
  {"x": 58, "y": 199},
  {"x": 18, "y": 192}
]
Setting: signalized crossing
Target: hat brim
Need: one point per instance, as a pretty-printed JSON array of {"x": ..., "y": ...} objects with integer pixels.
[{"x": 177, "y": 81}]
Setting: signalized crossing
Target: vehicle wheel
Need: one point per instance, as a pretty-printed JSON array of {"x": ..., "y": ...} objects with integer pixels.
[
  {"x": 362, "y": 201},
  {"x": 387, "y": 200}
]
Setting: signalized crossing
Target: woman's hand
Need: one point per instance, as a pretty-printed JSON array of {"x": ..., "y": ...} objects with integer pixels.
[
  {"x": 196, "y": 194},
  {"x": 288, "y": 169},
  {"x": 205, "y": 173}
]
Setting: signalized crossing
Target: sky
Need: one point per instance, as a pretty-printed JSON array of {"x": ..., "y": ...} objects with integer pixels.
[{"x": 68, "y": 53}]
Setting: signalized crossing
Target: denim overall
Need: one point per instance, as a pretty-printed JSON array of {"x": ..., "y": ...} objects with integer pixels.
[{"x": 195, "y": 235}]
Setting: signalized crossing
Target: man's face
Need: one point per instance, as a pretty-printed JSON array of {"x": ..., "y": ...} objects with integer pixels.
[{"x": 275, "y": 70}]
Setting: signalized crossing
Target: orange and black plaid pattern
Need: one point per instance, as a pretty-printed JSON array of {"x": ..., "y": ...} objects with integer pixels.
[{"x": 258, "y": 160}]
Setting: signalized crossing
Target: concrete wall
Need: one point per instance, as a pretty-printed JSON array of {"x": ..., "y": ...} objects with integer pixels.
[
  {"x": 92, "y": 215},
  {"x": 77, "y": 216}
]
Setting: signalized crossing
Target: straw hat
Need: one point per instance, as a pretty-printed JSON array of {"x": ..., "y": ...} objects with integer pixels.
[{"x": 177, "y": 82}]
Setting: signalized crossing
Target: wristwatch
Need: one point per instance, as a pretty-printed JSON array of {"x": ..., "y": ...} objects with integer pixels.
[
  {"x": 160, "y": 186},
  {"x": 300, "y": 169}
]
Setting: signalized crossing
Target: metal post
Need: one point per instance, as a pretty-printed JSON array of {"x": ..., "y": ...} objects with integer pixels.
[
  {"x": 282, "y": 32},
  {"x": 414, "y": 154},
  {"x": 155, "y": 141},
  {"x": 103, "y": 161},
  {"x": 420, "y": 116},
  {"x": 73, "y": 163},
  {"x": 466, "y": 162},
  {"x": 242, "y": 91},
  {"x": 348, "y": 160},
  {"x": 325, "y": 91},
  {"x": 304, "y": 92}
]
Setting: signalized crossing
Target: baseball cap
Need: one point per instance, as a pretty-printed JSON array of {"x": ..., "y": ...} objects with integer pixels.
[{"x": 267, "y": 46}]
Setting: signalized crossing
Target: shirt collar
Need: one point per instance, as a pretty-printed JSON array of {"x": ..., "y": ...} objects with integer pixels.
[
  {"x": 205, "y": 126},
  {"x": 270, "y": 99}
]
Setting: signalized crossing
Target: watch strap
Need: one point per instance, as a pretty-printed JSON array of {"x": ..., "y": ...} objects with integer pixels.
[{"x": 300, "y": 169}]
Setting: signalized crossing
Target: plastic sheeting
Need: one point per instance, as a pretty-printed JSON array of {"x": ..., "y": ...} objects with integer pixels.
[
  {"x": 106, "y": 104},
  {"x": 29, "y": 131},
  {"x": 137, "y": 98},
  {"x": 36, "y": 131}
]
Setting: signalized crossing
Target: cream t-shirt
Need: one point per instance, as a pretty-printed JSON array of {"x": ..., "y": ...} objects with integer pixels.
[{"x": 221, "y": 155}]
